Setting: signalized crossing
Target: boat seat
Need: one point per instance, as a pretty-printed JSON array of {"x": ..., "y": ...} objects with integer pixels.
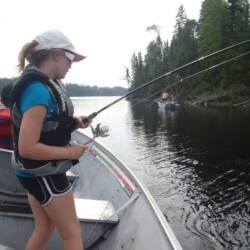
[
  {"x": 100, "y": 211},
  {"x": 97, "y": 219},
  {"x": 3, "y": 247}
]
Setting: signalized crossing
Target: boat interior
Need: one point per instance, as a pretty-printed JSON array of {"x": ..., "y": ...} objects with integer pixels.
[{"x": 97, "y": 217}]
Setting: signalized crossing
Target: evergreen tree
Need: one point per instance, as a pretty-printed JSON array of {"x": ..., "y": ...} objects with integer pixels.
[
  {"x": 154, "y": 66},
  {"x": 138, "y": 74},
  {"x": 165, "y": 56},
  {"x": 212, "y": 36},
  {"x": 212, "y": 26},
  {"x": 177, "y": 44},
  {"x": 238, "y": 31},
  {"x": 183, "y": 44},
  {"x": 183, "y": 47},
  {"x": 238, "y": 20}
]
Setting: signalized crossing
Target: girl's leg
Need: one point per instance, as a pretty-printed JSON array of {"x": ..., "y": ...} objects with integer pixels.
[
  {"x": 44, "y": 226},
  {"x": 62, "y": 211}
]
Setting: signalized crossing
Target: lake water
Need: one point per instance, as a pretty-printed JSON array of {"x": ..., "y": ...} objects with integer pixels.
[{"x": 195, "y": 162}]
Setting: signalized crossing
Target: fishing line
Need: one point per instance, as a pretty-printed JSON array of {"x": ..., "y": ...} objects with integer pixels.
[
  {"x": 188, "y": 77},
  {"x": 94, "y": 114}
]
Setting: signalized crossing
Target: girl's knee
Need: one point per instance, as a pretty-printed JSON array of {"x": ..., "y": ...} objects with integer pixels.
[
  {"x": 72, "y": 231},
  {"x": 45, "y": 228}
]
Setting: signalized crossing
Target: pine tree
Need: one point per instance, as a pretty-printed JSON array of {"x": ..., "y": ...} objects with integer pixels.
[
  {"x": 238, "y": 31},
  {"x": 212, "y": 26},
  {"x": 212, "y": 36},
  {"x": 138, "y": 72},
  {"x": 183, "y": 47}
]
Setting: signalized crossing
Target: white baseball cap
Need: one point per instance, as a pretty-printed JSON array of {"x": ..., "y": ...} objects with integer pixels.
[{"x": 54, "y": 39}]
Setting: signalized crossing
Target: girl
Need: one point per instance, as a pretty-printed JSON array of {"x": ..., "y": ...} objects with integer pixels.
[{"x": 42, "y": 122}]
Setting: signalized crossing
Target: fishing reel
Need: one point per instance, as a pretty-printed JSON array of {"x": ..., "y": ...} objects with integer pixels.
[{"x": 101, "y": 130}]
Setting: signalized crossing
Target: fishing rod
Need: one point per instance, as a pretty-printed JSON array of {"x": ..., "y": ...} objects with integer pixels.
[
  {"x": 94, "y": 114},
  {"x": 195, "y": 74}
]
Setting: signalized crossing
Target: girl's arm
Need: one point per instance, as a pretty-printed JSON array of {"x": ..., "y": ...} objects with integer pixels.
[{"x": 29, "y": 145}]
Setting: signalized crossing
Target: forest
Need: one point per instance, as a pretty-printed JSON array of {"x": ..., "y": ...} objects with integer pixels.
[
  {"x": 74, "y": 89},
  {"x": 221, "y": 24}
]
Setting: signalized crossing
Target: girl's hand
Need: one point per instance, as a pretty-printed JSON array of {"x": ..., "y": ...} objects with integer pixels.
[
  {"x": 75, "y": 151},
  {"x": 80, "y": 123}
]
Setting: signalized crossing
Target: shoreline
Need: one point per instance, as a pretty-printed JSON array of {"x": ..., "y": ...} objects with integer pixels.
[{"x": 245, "y": 104}]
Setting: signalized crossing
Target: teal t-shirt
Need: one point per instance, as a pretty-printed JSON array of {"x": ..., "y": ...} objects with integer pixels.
[{"x": 34, "y": 94}]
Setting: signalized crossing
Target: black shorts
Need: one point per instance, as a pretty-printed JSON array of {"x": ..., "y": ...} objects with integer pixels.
[{"x": 46, "y": 187}]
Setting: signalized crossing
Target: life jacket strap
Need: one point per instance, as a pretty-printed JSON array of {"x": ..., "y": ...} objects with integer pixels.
[{"x": 51, "y": 168}]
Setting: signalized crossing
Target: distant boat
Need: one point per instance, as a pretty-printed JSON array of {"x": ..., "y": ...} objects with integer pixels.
[
  {"x": 168, "y": 106},
  {"x": 116, "y": 211}
]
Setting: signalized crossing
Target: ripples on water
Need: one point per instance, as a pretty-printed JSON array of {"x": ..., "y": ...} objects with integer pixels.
[
  {"x": 196, "y": 163},
  {"x": 199, "y": 165}
]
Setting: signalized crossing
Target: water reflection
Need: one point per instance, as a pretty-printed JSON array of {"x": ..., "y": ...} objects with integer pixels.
[
  {"x": 195, "y": 162},
  {"x": 205, "y": 154}
]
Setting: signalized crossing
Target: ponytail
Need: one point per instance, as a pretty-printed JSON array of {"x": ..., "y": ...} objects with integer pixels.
[
  {"x": 33, "y": 57},
  {"x": 25, "y": 53}
]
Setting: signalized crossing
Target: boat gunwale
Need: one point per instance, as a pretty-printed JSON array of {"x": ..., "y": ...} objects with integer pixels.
[{"x": 153, "y": 204}]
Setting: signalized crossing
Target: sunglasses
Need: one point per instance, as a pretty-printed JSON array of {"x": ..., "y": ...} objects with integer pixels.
[{"x": 69, "y": 56}]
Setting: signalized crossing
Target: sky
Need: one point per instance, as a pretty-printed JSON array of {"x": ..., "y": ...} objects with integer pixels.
[{"x": 108, "y": 32}]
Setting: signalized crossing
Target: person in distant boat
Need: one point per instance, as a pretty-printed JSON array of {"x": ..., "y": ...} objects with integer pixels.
[
  {"x": 6, "y": 141},
  {"x": 42, "y": 121},
  {"x": 172, "y": 98},
  {"x": 164, "y": 96}
]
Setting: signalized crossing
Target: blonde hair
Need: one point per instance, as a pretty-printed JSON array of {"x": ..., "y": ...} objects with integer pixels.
[{"x": 33, "y": 57}]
